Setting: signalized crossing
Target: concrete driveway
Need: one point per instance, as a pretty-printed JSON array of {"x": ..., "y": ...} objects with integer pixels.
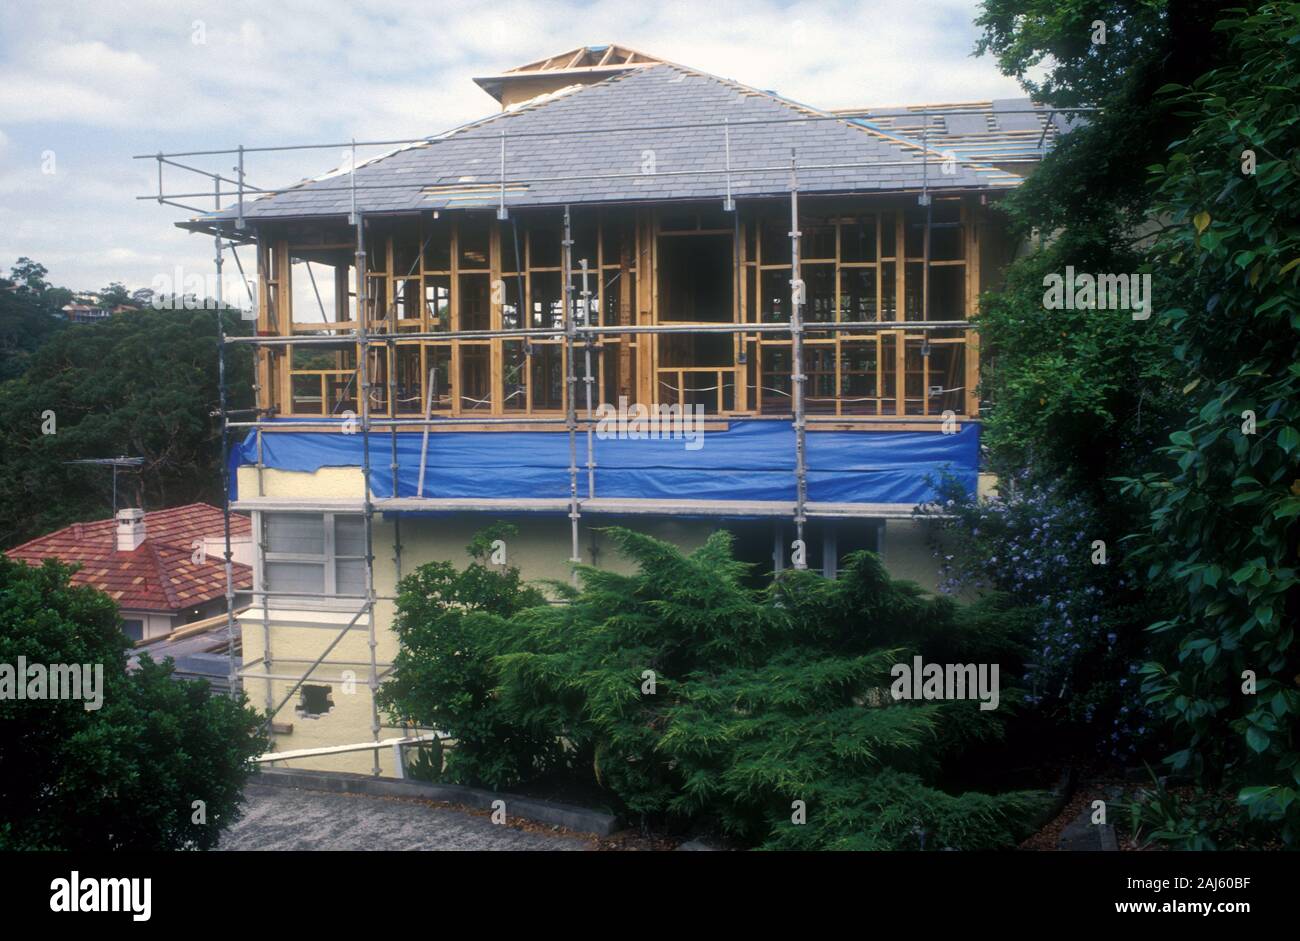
[{"x": 282, "y": 818}]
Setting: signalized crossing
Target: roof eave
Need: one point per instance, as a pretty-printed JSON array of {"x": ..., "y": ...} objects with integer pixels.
[{"x": 211, "y": 226}]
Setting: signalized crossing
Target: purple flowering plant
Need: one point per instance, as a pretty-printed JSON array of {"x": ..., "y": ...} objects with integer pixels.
[{"x": 1036, "y": 543}]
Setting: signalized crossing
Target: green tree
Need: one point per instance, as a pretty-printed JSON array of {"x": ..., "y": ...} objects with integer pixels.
[
  {"x": 27, "y": 321},
  {"x": 143, "y": 383},
  {"x": 1223, "y": 526},
  {"x": 115, "y": 294},
  {"x": 29, "y": 275},
  {"x": 1085, "y": 395},
  {"x": 123, "y": 776},
  {"x": 1081, "y": 397}
]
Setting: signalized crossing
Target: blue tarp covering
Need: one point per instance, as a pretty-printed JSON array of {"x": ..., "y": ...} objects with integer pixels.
[{"x": 752, "y": 460}]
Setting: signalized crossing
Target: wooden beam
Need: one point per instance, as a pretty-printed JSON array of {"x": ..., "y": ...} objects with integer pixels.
[
  {"x": 279, "y": 260},
  {"x": 741, "y": 403}
]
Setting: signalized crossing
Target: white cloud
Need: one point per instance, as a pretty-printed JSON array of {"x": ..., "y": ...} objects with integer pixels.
[
  {"x": 97, "y": 82},
  {"x": 94, "y": 61}
]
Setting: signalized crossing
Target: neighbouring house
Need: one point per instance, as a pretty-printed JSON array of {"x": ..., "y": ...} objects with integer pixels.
[
  {"x": 619, "y": 233},
  {"x": 81, "y": 312},
  {"x": 165, "y": 568},
  {"x": 86, "y": 313}
]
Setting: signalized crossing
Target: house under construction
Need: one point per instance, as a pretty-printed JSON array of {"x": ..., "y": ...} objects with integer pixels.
[{"x": 638, "y": 294}]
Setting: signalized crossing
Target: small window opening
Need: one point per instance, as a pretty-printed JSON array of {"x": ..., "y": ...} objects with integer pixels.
[{"x": 314, "y": 701}]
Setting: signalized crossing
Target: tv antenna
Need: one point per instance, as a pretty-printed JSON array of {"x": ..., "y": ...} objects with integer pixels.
[{"x": 115, "y": 463}]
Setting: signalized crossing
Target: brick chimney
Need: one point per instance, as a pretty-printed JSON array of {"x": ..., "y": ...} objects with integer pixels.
[{"x": 130, "y": 530}]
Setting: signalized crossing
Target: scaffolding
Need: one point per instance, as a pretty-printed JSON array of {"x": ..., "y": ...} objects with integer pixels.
[{"x": 577, "y": 333}]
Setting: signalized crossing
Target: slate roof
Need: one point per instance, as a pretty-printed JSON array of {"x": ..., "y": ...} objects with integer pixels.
[
  {"x": 461, "y": 168},
  {"x": 989, "y": 131},
  {"x": 159, "y": 575}
]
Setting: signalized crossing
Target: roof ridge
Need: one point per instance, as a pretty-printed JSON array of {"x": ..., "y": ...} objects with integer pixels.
[
  {"x": 750, "y": 89},
  {"x": 79, "y": 531},
  {"x": 183, "y": 506},
  {"x": 165, "y": 578}
]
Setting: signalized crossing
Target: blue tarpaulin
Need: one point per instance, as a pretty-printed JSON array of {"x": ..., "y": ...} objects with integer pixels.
[{"x": 751, "y": 460}]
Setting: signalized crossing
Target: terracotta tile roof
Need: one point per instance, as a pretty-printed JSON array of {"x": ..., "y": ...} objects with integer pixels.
[{"x": 160, "y": 574}]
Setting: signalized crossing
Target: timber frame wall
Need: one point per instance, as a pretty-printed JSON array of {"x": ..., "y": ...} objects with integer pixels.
[{"x": 430, "y": 281}]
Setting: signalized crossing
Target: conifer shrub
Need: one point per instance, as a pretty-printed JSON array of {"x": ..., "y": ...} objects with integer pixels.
[{"x": 699, "y": 703}]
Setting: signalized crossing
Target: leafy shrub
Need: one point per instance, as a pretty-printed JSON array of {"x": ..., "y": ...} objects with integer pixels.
[
  {"x": 1076, "y": 395},
  {"x": 1224, "y": 521},
  {"x": 124, "y": 776},
  {"x": 1183, "y": 818},
  {"x": 441, "y": 677}
]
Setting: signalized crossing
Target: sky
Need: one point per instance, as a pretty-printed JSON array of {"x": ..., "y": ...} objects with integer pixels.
[{"x": 87, "y": 84}]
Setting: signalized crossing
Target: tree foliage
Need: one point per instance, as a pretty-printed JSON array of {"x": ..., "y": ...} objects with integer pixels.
[
  {"x": 125, "y": 776},
  {"x": 1084, "y": 394},
  {"x": 142, "y": 383},
  {"x": 693, "y": 698},
  {"x": 1160, "y": 177},
  {"x": 440, "y": 680},
  {"x": 29, "y": 315},
  {"x": 1223, "y": 526}
]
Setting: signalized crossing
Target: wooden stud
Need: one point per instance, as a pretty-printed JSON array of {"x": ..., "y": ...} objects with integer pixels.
[
  {"x": 648, "y": 273},
  {"x": 625, "y": 301},
  {"x": 972, "y": 376},
  {"x": 278, "y": 258},
  {"x": 454, "y": 300},
  {"x": 838, "y": 314},
  {"x": 496, "y": 354},
  {"x": 900, "y": 265},
  {"x": 741, "y": 403}
]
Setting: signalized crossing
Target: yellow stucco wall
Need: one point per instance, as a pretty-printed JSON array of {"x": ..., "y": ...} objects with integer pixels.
[
  {"x": 907, "y": 554},
  {"x": 326, "y": 483},
  {"x": 540, "y": 550}
]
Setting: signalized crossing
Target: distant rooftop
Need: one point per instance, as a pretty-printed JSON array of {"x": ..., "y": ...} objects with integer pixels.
[{"x": 160, "y": 574}]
